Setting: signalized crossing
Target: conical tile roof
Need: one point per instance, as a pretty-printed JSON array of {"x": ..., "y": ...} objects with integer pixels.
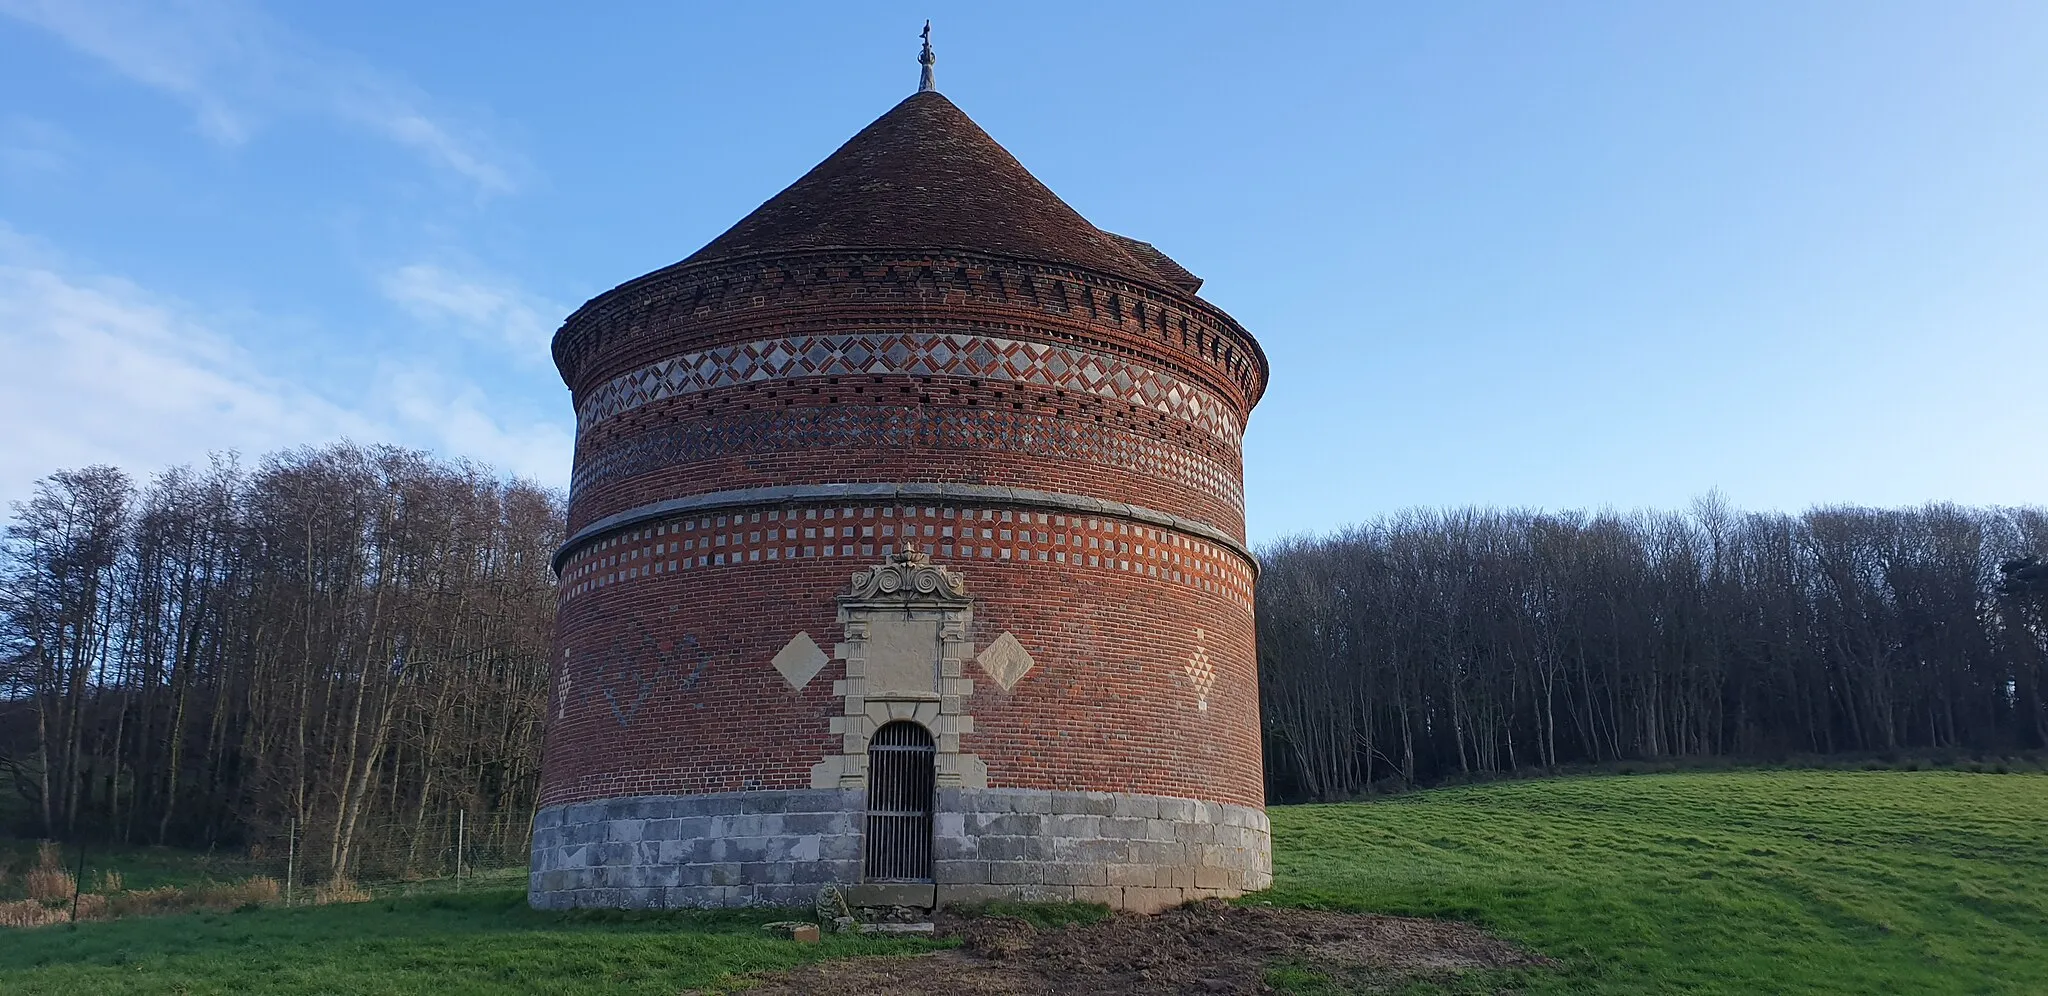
[{"x": 925, "y": 176}]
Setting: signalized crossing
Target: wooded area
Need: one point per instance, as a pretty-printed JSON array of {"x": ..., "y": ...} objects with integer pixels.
[
  {"x": 350, "y": 641},
  {"x": 354, "y": 642},
  {"x": 1434, "y": 645}
]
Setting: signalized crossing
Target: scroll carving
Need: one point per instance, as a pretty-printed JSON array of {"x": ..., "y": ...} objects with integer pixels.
[{"x": 909, "y": 576}]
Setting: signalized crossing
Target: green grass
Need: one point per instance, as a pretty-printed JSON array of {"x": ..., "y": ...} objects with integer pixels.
[
  {"x": 1721, "y": 883},
  {"x": 476, "y": 942},
  {"x": 1044, "y": 916},
  {"x": 140, "y": 867},
  {"x": 1824, "y": 882}
]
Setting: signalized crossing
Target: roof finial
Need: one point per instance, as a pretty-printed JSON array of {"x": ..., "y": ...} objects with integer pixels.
[{"x": 925, "y": 59}]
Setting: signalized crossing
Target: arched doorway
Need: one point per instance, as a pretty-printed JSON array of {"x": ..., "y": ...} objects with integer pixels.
[{"x": 899, "y": 826}]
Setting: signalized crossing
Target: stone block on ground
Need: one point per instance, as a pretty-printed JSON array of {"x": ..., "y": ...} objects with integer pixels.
[
  {"x": 923, "y": 927},
  {"x": 795, "y": 930}
]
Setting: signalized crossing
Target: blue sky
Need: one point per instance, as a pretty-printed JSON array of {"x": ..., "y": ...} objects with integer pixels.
[{"x": 1550, "y": 255}]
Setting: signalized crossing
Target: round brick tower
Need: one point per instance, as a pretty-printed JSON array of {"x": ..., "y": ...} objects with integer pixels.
[{"x": 906, "y": 554}]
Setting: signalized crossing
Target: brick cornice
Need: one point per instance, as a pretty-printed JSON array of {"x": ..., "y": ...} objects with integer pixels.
[{"x": 690, "y": 304}]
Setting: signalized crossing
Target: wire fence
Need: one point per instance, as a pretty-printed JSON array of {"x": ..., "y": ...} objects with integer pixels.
[
  {"x": 454, "y": 846},
  {"x": 447, "y": 848}
]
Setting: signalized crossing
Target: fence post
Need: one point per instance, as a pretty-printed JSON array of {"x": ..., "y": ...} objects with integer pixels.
[
  {"x": 291, "y": 858},
  {"x": 78, "y": 881},
  {"x": 461, "y": 818}
]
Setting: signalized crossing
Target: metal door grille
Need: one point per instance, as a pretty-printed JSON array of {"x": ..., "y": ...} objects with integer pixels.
[{"x": 899, "y": 837}]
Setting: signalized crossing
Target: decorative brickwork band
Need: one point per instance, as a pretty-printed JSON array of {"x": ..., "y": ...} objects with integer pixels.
[
  {"x": 913, "y": 493},
  {"x": 916, "y": 354},
  {"x": 979, "y": 430},
  {"x": 1183, "y": 329},
  {"x": 653, "y": 553}
]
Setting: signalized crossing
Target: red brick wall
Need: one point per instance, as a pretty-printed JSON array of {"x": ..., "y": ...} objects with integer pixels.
[
  {"x": 872, "y": 432},
  {"x": 669, "y": 687},
  {"x": 663, "y": 680}
]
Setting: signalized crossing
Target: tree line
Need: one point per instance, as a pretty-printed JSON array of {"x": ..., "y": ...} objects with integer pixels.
[
  {"x": 1435, "y": 645},
  {"x": 352, "y": 643},
  {"x": 346, "y": 642}
]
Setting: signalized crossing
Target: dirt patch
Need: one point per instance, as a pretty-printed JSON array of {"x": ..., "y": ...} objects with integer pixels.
[{"x": 1207, "y": 947}]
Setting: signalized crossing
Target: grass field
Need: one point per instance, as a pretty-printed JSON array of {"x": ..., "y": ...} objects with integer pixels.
[
  {"x": 484, "y": 941},
  {"x": 140, "y": 867},
  {"x": 1711, "y": 883},
  {"x": 1723, "y": 883}
]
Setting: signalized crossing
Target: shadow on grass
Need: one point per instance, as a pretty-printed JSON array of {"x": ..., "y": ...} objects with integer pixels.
[{"x": 480, "y": 941}]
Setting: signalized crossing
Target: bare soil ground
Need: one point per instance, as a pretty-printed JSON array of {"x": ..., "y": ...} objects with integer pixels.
[{"x": 1201, "y": 948}]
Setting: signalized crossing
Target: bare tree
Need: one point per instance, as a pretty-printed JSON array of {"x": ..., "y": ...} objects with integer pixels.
[
  {"x": 351, "y": 640},
  {"x": 1448, "y": 644}
]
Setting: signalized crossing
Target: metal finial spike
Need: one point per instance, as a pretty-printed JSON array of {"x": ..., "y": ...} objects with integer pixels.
[{"x": 925, "y": 59}]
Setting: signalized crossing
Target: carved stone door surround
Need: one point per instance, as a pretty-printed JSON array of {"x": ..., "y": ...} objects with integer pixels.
[{"x": 905, "y": 645}]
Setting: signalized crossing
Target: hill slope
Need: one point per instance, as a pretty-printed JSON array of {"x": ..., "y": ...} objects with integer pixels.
[
  {"x": 1723, "y": 883},
  {"x": 1739, "y": 882}
]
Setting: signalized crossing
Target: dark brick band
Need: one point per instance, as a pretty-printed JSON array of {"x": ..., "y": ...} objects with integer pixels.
[{"x": 896, "y": 428}]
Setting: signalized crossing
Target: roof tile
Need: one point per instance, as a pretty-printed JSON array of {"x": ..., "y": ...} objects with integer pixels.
[{"x": 924, "y": 175}]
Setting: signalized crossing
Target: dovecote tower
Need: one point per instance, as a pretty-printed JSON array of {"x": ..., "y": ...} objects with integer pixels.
[{"x": 906, "y": 554}]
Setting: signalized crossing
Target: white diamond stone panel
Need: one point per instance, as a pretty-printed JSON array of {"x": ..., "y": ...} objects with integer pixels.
[
  {"x": 1006, "y": 660},
  {"x": 800, "y": 660}
]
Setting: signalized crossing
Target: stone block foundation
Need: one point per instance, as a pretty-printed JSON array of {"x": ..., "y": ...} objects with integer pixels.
[{"x": 775, "y": 848}]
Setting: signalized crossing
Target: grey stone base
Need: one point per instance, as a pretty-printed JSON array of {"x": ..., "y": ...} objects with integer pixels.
[{"x": 776, "y": 848}]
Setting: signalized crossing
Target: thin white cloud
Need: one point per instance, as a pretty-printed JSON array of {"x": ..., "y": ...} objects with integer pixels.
[
  {"x": 29, "y": 146},
  {"x": 458, "y": 412},
  {"x": 481, "y": 306},
  {"x": 235, "y": 67},
  {"x": 122, "y": 376},
  {"x": 390, "y": 115},
  {"x": 117, "y": 374}
]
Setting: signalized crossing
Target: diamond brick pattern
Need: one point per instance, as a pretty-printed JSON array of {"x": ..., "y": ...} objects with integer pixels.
[
  {"x": 972, "y": 429},
  {"x": 625, "y": 674},
  {"x": 917, "y": 354},
  {"x": 1201, "y": 672}
]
